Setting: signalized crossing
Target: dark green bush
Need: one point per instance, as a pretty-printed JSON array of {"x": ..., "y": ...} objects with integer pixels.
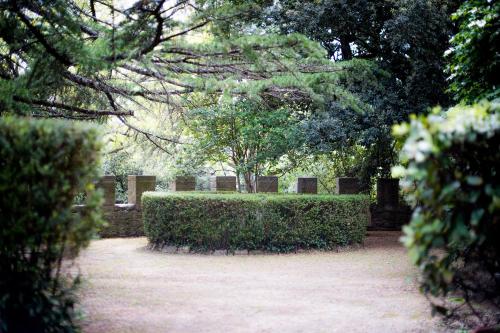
[
  {"x": 44, "y": 164},
  {"x": 450, "y": 168},
  {"x": 276, "y": 223}
]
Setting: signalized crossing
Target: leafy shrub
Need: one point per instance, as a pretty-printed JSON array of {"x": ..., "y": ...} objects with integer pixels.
[
  {"x": 451, "y": 172},
  {"x": 251, "y": 135},
  {"x": 43, "y": 165},
  {"x": 277, "y": 223}
]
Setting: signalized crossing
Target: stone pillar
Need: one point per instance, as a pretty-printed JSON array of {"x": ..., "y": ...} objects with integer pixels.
[
  {"x": 347, "y": 185},
  {"x": 184, "y": 183},
  {"x": 223, "y": 183},
  {"x": 107, "y": 184},
  {"x": 387, "y": 192},
  {"x": 137, "y": 185},
  {"x": 267, "y": 184},
  {"x": 307, "y": 185}
]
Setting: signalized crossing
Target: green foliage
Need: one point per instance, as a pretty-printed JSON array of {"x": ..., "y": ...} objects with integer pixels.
[
  {"x": 276, "y": 223},
  {"x": 342, "y": 127},
  {"x": 44, "y": 164},
  {"x": 248, "y": 135},
  {"x": 474, "y": 55},
  {"x": 84, "y": 59},
  {"x": 450, "y": 168},
  {"x": 120, "y": 165},
  {"x": 326, "y": 167},
  {"x": 404, "y": 40},
  {"x": 44, "y": 70}
]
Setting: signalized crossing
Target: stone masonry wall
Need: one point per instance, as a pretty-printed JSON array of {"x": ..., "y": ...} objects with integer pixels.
[
  {"x": 184, "y": 183},
  {"x": 223, "y": 183},
  {"x": 347, "y": 185},
  {"x": 389, "y": 218},
  {"x": 267, "y": 184},
  {"x": 307, "y": 185},
  {"x": 123, "y": 220}
]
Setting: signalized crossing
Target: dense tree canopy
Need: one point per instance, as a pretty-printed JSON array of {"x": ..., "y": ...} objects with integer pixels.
[
  {"x": 405, "y": 39},
  {"x": 250, "y": 137},
  {"x": 281, "y": 87},
  {"x": 358, "y": 67},
  {"x": 90, "y": 59}
]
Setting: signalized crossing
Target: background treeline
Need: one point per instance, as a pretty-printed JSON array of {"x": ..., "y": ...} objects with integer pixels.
[
  {"x": 385, "y": 62},
  {"x": 252, "y": 87}
]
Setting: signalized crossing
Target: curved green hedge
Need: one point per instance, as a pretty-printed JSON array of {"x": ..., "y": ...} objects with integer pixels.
[{"x": 276, "y": 223}]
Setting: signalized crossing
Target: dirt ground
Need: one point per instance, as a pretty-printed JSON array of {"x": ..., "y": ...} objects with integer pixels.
[{"x": 128, "y": 288}]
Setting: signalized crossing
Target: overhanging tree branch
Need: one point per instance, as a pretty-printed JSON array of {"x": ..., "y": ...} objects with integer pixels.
[
  {"x": 155, "y": 63},
  {"x": 71, "y": 108}
]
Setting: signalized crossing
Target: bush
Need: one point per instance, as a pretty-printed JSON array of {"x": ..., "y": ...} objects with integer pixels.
[
  {"x": 451, "y": 170},
  {"x": 44, "y": 164},
  {"x": 276, "y": 223}
]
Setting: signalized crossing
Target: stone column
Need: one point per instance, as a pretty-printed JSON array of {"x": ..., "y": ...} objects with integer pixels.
[
  {"x": 387, "y": 192},
  {"x": 184, "y": 183},
  {"x": 267, "y": 184},
  {"x": 347, "y": 185},
  {"x": 137, "y": 185},
  {"x": 223, "y": 183},
  {"x": 107, "y": 184},
  {"x": 307, "y": 185}
]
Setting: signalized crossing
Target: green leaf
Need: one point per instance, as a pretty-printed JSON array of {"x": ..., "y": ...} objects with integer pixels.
[{"x": 474, "y": 180}]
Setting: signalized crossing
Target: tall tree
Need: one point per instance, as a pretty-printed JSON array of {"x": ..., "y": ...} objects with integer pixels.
[
  {"x": 249, "y": 136},
  {"x": 92, "y": 59},
  {"x": 406, "y": 39}
]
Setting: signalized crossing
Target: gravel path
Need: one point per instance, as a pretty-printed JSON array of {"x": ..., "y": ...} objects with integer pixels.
[{"x": 130, "y": 289}]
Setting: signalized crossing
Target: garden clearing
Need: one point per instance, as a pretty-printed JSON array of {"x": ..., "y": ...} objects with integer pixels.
[{"x": 128, "y": 288}]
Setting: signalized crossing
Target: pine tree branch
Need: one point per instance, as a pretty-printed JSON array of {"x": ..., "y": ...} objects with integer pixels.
[
  {"x": 62, "y": 58},
  {"x": 56, "y": 105}
]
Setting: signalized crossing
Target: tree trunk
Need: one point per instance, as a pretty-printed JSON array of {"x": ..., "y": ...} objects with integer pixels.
[
  {"x": 248, "y": 182},
  {"x": 345, "y": 48},
  {"x": 238, "y": 182}
]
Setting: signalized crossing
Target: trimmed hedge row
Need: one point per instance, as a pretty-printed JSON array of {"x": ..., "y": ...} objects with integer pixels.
[{"x": 275, "y": 223}]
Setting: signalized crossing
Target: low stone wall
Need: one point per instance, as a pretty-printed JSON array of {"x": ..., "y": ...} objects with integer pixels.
[
  {"x": 307, "y": 185},
  {"x": 389, "y": 218},
  {"x": 223, "y": 183},
  {"x": 123, "y": 220},
  {"x": 267, "y": 184},
  {"x": 184, "y": 183}
]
